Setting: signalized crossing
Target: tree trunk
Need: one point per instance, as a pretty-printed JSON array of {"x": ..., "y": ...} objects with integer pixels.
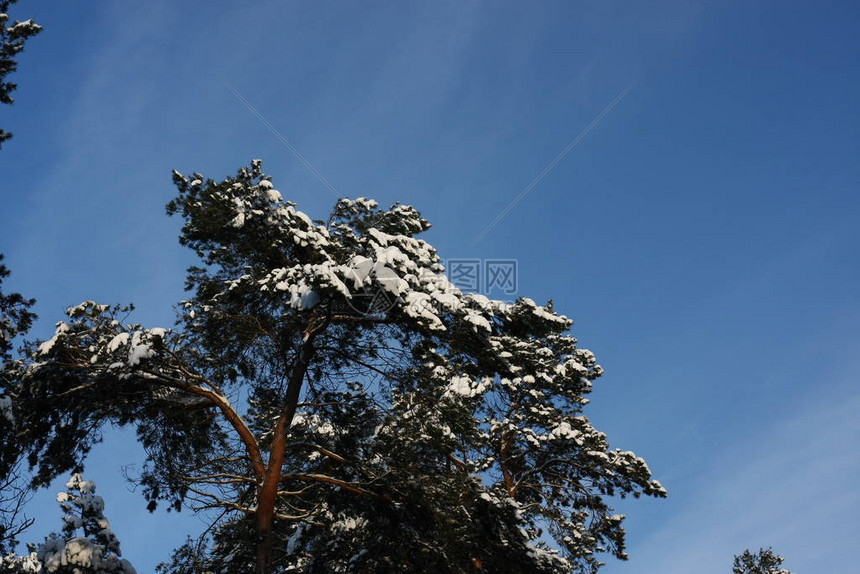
[
  {"x": 267, "y": 493},
  {"x": 264, "y": 546}
]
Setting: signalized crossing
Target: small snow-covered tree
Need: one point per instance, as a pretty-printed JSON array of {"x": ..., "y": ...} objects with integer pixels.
[
  {"x": 13, "y": 35},
  {"x": 86, "y": 545},
  {"x": 765, "y": 561},
  {"x": 339, "y": 401}
]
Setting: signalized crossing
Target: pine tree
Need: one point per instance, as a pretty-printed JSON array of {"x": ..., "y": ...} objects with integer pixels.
[
  {"x": 15, "y": 319},
  {"x": 95, "y": 552},
  {"x": 15, "y": 316},
  {"x": 12, "y": 39},
  {"x": 340, "y": 402},
  {"x": 765, "y": 561}
]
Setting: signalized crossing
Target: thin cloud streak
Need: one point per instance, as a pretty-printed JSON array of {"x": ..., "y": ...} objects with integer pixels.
[
  {"x": 558, "y": 158},
  {"x": 283, "y": 140}
]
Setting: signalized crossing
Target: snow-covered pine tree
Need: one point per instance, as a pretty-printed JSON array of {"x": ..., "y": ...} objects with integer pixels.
[
  {"x": 438, "y": 432},
  {"x": 86, "y": 545},
  {"x": 13, "y": 35},
  {"x": 765, "y": 561}
]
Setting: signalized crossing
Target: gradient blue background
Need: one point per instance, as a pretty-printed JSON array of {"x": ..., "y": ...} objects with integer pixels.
[{"x": 703, "y": 235}]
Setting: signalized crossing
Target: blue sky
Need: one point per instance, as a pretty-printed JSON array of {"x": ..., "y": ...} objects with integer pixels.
[{"x": 703, "y": 234}]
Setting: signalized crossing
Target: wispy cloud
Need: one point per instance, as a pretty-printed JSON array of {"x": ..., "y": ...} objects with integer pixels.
[{"x": 792, "y": 487}]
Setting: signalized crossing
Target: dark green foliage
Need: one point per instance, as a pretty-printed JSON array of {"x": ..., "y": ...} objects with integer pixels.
[
  {"x": 13, "y": 35},
  {"x": 15, "y": 316},
  {"x": 15, "y": 319}
]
